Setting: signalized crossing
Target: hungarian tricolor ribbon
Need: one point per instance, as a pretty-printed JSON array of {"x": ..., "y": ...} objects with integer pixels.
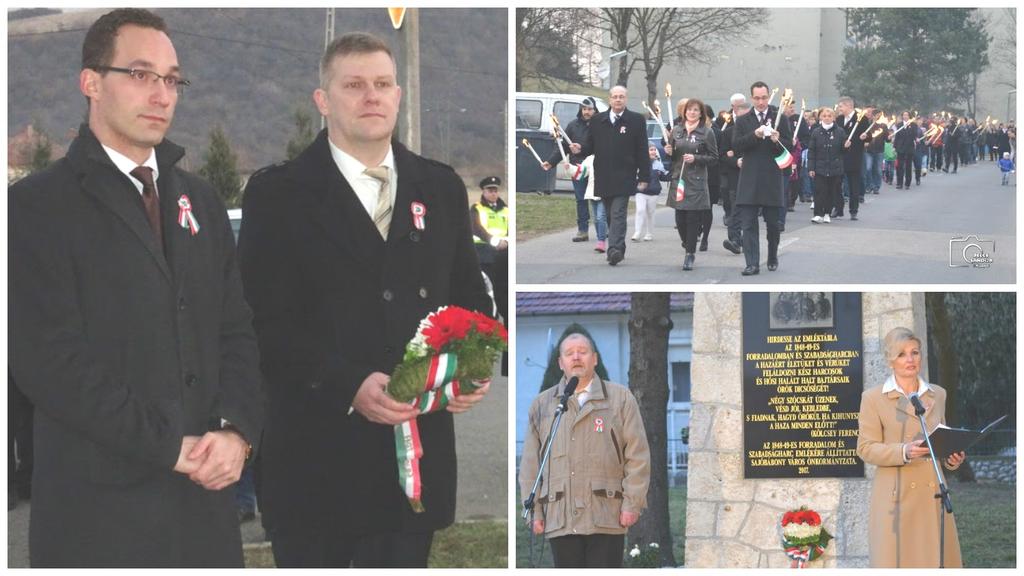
[
  {"x": 581, "y": 172},
  {"x": 419, "y": 215},
  {"x": 185, "y": 217},
  {"x": 438, "y": 390}
]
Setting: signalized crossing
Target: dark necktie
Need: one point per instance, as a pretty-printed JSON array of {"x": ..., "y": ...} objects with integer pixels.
[
  {"x": 760, "y": 118},
  {"x": 150, "y": 200}
]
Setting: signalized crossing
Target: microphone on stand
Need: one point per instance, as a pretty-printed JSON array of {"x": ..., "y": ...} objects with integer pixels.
[
  {"x": 915, "y": 399},
  {"x": 570, "y": 388}
]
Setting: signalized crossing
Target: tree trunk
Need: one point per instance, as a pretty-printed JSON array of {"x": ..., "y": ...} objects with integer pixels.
[
  {"x": 649, "y": 325},
  {"x": 948, "y": 374}
]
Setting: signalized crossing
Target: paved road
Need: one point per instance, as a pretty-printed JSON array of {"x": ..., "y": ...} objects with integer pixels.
[
  {"x": 902, "y": 237},
  {"x": 481, "y": 437}
]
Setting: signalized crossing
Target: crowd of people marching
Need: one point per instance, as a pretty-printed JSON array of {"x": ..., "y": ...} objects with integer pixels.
[{"x": 831, "y": 157}]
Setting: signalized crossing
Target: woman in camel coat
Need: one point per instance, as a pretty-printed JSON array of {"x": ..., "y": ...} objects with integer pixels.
[{"x": 905, "y": 515}]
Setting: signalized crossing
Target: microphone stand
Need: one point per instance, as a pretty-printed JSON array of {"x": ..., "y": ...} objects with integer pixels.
[
  {"x": 529, "y": 502},
  {"x": 943, "y": 494}
]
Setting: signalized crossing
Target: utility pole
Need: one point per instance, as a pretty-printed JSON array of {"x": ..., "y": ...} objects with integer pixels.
[
  {"x": 409, "y": 77},
  {"x": 328, "y": 36}
]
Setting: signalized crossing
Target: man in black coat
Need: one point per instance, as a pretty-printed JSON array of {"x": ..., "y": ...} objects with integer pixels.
[
  {"x": 622, "y": 166},
  {"x": 129, "y": 332},
  {"x": 853, "y": 153},
  {"x": 344, "y": 250},
  {"x": 761, "y": 182},
  {"x": 731, "y": 163},
  {"x": 905, "y": 143},
  {"x": 577, "y": 131}
]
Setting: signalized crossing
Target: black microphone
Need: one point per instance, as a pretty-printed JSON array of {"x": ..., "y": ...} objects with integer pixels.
[
  {"x": 570, "y": 387},
  {"x": 916, "y": 401}
]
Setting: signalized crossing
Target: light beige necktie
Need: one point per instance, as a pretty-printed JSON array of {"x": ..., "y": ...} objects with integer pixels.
[{"x": 382, "y": 212}]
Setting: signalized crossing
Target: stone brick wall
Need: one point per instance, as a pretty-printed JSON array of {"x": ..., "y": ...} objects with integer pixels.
[{"x": 732, "y": 522}]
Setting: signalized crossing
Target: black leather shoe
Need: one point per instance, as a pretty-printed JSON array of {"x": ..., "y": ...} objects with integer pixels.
[
  {"x": 614, "y": 257},
  {"x": 704, "y": 244},
  {"x": 731, "y": 246},
  {"x": 773, "y": 265},
  {"x": 688, "y": 262},
  {"x": 751, "y": 270}
]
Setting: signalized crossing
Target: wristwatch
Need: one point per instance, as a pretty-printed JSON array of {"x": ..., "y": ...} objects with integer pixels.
[{"x": 223, "y": 424}]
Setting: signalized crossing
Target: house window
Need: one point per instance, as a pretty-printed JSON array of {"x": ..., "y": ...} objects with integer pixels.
[{"x": 680, "y": 383}]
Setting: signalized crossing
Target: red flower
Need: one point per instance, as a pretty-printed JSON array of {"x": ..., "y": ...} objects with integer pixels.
[
  {"x": 787, "y": 518},
  {"x": 812, "y": 518}
]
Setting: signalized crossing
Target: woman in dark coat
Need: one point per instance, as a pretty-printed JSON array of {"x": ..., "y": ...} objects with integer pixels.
[
  {"x": 693, "y": 149},
  {"x": 825, "y": 164}
]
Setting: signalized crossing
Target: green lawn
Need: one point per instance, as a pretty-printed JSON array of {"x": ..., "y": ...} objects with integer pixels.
[
  {"x": 539, "y": 215},
  {"x": 986, "y": 520},
  {"x": 463, "y": 545},
  {"x": 986, "y": 514},
  {"x": 677, "y": 518}
]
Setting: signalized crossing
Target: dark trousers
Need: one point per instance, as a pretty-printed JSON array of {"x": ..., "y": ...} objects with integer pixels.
[
  {"x": 952, "y": 157},
  {"x": 856, "y": 183},
  {"x": 588, "y": 551},
  {"x": 732, "y": 218},
  {"x": 616, "y": 208},
  {"x": 826, "y": 190},
  {"x": 707, "y": 218},
  {"x": 688, "y": 223},
  {"x": 579, "y": 187},
  {"x": 936, "y": 161},
  {"x": 905, "y": 163},
  {"x": 751, "y": 241},
  {"x": 315, "y": 548}
]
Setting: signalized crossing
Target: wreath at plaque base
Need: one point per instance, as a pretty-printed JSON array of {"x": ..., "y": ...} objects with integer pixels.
[{"x": 803, "y": 537}]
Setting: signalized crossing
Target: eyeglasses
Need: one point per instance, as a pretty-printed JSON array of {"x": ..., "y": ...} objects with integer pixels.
[{"x": 145, "y": 77}]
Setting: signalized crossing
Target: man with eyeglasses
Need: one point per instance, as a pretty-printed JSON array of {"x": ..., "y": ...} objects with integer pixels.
[
  {"x": 344, "y": 250},
  {"x": 760, "y": 185},
  {"x": 129, "y": 331}
]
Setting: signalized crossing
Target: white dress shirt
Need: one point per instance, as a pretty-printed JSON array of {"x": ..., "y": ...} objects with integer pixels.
[
  {"x": 126, "y": 165},
  {"x": 366, "y": 187}
]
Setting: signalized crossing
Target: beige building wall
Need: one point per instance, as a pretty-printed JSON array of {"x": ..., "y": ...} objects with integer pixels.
[
  {"x": 732, "y": 522},
  {"x": 802, "y": 49},
  {"x": 793, "y": 48}
]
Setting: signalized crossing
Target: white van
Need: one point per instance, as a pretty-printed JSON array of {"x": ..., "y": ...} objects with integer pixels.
[{"x": 533, "y": 113}]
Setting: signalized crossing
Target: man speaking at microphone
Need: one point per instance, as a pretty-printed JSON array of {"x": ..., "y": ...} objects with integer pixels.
[{"x": 595, "y": 484}]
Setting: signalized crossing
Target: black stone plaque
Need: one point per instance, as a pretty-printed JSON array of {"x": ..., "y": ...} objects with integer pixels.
[{"x": 803, "y": 375}]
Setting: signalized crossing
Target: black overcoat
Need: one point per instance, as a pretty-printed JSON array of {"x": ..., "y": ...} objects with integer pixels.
[
  {"x": 123, "y": 351},
  {"x": 620, "y": 153},
  {"x": 333, "y": 303},
  {"x": 761, "y": 180}
]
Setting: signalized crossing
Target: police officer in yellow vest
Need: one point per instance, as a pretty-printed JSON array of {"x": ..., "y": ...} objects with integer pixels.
[{"x": 489, "y": 218}]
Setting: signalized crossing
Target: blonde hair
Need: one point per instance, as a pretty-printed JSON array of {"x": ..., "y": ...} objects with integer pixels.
[{"x": 896, "y": 339}]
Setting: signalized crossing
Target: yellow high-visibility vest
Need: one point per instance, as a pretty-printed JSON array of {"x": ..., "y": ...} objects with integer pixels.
[{"x": 495, "y": 222}]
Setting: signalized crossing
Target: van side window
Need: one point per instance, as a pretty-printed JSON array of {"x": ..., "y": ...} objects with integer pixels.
[
  {"x": 566, "y": 112},
  {"x": 528, "y": 114}
]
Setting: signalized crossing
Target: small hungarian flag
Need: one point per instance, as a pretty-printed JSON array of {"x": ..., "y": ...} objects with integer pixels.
[
  {"x": 581, "y": 172},
  {"x": 680, "y": 190},
  {"x": 784, "y": 159}
]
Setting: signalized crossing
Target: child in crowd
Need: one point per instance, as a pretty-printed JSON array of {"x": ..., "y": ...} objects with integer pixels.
[{"x": 1006, "y": 167}]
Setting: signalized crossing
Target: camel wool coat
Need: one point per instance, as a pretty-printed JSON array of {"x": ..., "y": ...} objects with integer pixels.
[{"x": 904, "y": 517}]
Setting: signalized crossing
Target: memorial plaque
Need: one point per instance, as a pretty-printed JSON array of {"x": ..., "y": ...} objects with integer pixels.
[{"x": 803, "y": 375}]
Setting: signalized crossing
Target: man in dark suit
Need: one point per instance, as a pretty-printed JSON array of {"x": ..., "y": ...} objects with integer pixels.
[
  {"x": 853, "y": 153},
  {"x": 622, "y": 166},
  {"x": 730, "y": 174},
  {"x": 761, "y": 185},
  {"x": 343, "y": 251},
  {"x": 129, "y": 332}
]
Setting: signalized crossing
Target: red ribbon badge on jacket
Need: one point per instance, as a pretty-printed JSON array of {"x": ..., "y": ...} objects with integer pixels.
[
  {"x": 598, "y": 425},
  {"x": 185, "y": 217},
  {"x": 419, "y": 215}
]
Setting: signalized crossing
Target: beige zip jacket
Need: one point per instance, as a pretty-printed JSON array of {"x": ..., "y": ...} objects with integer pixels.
[{"x": 600, "y": 463}]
